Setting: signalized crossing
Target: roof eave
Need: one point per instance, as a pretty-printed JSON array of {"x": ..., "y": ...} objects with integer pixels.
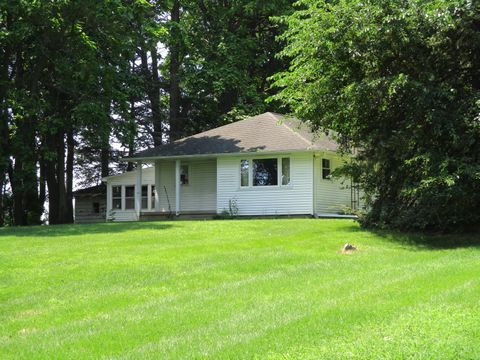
[{"x": 175, "y": 157}]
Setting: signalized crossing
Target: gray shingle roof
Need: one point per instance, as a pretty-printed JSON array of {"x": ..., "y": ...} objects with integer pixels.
[
  {"x": 92, "y": 190},
  {"x": 268, "y": 132}
]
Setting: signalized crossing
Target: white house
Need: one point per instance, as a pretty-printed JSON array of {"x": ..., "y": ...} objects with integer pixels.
[{"x": 263, "y": 165}]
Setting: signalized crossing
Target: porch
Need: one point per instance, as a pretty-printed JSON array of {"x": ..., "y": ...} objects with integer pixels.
[{"x": 181, "y": 187}]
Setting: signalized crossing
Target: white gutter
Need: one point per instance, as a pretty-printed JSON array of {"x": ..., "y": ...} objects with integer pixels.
[{"x": 215, "y": 155}]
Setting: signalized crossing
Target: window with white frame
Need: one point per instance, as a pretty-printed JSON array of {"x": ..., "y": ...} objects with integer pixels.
[
  {"x": 265, "y": 172},
  {"x": 326, "y": 170},
  {"x": 116, "y": 197},
  {"x": 244, "y": 170},
  {"x": 286, "y": 171},
  {"x": 129, "y": 197}
]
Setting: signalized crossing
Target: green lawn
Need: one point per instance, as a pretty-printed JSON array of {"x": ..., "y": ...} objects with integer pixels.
[{"x": 266, "y": 289}]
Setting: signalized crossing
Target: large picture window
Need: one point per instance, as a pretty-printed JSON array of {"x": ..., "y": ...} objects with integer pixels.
[
  {"x": 265, "y": 172},
  {"x": 116, "y": 197},
  {"x": 129, "y": 197}
]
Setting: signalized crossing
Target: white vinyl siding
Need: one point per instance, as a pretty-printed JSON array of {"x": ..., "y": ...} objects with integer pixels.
[
  {"x": 123, "y": 180},
  {"x": 333, "y": 195},
  {"x": 293, "y": 199},
  {"x": 199, "y": 195}
]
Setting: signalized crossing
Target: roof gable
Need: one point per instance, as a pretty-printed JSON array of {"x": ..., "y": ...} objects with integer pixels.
[{"x": 268, "y": 132}]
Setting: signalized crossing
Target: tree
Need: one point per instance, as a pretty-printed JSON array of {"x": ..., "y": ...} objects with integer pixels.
[
  {"x": 230, "y": 54},
  {"x": 65, "y": 74},
  {"x": 400, "y": 82}
]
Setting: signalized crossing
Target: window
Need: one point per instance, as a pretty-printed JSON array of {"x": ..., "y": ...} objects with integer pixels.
[
  {"x": 265, "y": 172},
  {"x": 116, "y": 197},
  {"x": 326, "y": 168},
  {"x": 144, "y": 196},
  {"x": 152, "y": 197},
  {"x": 184, "y": 174},
  {"x": 244, "y": 165},
  {"x": 96, "y": 208},
  {"x": 285, "y": 171},
  {"x": 130, "y": 197}
]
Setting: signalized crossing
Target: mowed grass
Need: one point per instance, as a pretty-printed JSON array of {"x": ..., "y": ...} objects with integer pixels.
[{"x": 264, "y": 289}]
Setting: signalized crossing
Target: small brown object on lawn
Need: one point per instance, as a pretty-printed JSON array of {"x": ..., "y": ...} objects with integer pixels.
[{"x": 348, "y": 248}]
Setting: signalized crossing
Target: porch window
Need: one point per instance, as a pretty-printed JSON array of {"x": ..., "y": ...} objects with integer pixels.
[
  {"x": 244, "y": 165},
  {"x": 265, "y": 172},
  {"x": 285, "y": 171},
  {"x": 116, "y": 197},
  {"x": 152, "y": 197},
  {"x": 184, "y": 174},
  {"x": 145, "y": 197},
  {"x": 326, "y": 169},
  {"x": 129, "y": 197}
]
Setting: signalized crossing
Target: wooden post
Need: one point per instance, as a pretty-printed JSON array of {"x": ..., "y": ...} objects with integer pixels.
[
  {"x": 158, "y": 185},
  {"x": 177, "y": 187},
  {"x": 138, "y": 190}
]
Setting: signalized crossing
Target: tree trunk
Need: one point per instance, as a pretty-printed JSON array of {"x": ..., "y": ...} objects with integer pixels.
[
  {"x": 55, "y": 175},
  {"x": 105, "y": 159},
  {"x": 176, "y": 124},
  {"x": 69, "y": 171},
  {"x": 152, "y": 88},
  {"x": 42, "y": 195}
]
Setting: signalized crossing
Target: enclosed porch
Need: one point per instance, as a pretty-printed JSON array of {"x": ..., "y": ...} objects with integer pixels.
[{"x": 179, "y": 187}]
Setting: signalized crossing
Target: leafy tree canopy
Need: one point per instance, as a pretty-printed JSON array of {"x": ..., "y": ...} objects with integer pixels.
[{"x": 400, "y": 82}]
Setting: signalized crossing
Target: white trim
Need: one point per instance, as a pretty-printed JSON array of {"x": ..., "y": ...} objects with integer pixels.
[
  {"x": 216, "y": 155},
  {"x": 177, "y": 187},
  {"x": 250, "y": 172},
  {"x": 138, "y": 190}
]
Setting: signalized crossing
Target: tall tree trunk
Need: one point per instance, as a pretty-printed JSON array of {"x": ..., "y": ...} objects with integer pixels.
[
  {"x": 55, "y": 175},
  {"x": 155, "y": 100},
  {"x": 14, "y": 171},
  {"x": 176, "y": 124},
  {"x": 42, "y": 194},
  {"x": 23, "y": 175},
  {"x": 5, "y": 62},
  {"x": 153, "y": 87},
  {"x": 131, "y": 138},
  {"x": 105, "y": 159},
  {"x": 69, "y": 171}
]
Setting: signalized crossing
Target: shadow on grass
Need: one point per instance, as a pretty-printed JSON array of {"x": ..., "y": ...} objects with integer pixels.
[
  {"x": 419, "y": 240},
  {"x": 431, "y": 241},
  {"x": 82, "y": 229}
]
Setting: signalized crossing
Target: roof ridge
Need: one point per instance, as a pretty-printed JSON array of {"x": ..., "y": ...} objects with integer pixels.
[
  {"x": 296, "y": 132},
  {"x": 216, "y": 128}
]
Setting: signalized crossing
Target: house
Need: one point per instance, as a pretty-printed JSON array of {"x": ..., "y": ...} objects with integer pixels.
[
  {"x": 90, "y": 204},
  {"x": 264, "y": 165}
]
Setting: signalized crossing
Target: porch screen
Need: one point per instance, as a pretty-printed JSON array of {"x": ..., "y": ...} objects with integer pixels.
[{"x": 129, "y": 197}]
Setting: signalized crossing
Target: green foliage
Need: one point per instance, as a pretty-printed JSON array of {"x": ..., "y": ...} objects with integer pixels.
[
  {"x": 398, "y": 81},
  {"x": 228, "y": 50}
]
